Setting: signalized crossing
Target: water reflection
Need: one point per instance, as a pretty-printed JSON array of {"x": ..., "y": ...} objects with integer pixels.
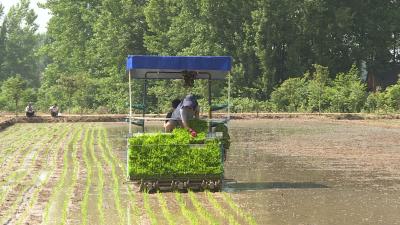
[{"x": 253, "y": 186}]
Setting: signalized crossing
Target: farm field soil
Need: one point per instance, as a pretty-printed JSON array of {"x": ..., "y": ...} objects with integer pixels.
[
  {"x": 74, "y": 173},
  {"x": 287, "y": 171}
]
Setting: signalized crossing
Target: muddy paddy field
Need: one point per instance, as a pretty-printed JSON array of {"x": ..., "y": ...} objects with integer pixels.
[{"x": 281, "y": 171}]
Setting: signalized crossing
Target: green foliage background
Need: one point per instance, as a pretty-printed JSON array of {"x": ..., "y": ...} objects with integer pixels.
[{"x": 277, "y": 47}]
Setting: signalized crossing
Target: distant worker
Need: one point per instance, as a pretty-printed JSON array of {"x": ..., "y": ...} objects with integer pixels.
[
  {"x": 186, "y": 110},
  {"x": 174, "y": 105},
  {"x": 29, "y": 111},
  {"x": 54, "y": 110}
]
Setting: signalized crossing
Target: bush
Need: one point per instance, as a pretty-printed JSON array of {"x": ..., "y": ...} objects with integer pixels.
[
  {"x": 392, "y": 97},
  {"x": 291, "y": 96},
  {"x": 317, "y": 90},
  {"x": 348, "y": 93},
  {"x": 240, "y": 105},
  {"x": 384, "y": 102}
]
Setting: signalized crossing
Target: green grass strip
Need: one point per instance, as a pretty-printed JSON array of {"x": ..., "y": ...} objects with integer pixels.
[
  {"x": 201, "y": 211},
  {"x": 164, "y": 209},
  {"x": 219, "y": 209},
  {"x": 246, "y": 216},
  {"x": 149, "y": 211},
  {"x": 192, "y": 219}
]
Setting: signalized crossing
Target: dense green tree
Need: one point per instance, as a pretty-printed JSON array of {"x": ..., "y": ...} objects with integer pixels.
[
  {"x": 93, "y": 37},
  {"x": 2, "y": 41},
  {"x": 18, "y": 35},
  {"x": 13, "y": 89},
  {"x": 270, "y": 41}
]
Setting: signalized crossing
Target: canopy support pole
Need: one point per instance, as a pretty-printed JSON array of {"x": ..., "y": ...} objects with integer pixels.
[
  {"x": 130, "y": 105},
  {"x": 130, "y": 127},
  {"x": 229, "y": 95},
  {"x": 209, "y": 103},
  {"x": 144, "y": 99}
]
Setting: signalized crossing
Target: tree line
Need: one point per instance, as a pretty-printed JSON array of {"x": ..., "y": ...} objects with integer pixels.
[{"x": 288, "y": 55}]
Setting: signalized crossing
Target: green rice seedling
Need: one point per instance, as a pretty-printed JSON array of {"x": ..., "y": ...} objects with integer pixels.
[
  {"x": 201, "y": 211},
  {"x": 17, "y": 175},
  {"x": 171, "y": 155},
  {"x": 11, "y": 172},
  {"x": 193, "y": 220},
  {"x": 7, "y": 136},
  {"x": 100, "y": 178},
  {"x": 149, "y": 211},
  {"x": 164, "y": 209},
  {"x": 117, "y": 162},
  {"x": 20, "y": 146},
  {"x": 219, "y": 209},
  {"x": 246, "y": 216},
  {"x": 62, "y": 180},
  {"x": 51, "y": 165},
  {"x": 29, "y": 187},
  {"x": 85, "y": 201},
  {"x": 116, "y": 191},
  {"x": 75, "y": 168}
]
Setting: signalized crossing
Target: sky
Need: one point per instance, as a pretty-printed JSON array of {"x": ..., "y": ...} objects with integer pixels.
[{"x": 43, "y": 14}]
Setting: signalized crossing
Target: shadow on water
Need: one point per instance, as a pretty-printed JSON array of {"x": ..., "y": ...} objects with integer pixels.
[{"x": 254, "y": 186}]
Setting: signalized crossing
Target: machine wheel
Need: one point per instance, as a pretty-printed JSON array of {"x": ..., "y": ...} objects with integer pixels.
[
  {"x": 203, "y": 185},
  {"x": 156, "y": 186}
]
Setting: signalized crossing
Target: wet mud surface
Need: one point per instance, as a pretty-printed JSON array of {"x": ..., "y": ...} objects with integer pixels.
[
  {"x": 280, "y": 171},
  {"x": 316, "y": 172}
]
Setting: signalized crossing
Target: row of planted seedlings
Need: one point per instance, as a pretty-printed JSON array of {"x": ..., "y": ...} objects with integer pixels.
[
  {"x": 200, "y": 215},
  {"x": 20, "y": 145},
  {"x": 115, "y": 164},
  {"x": 44, "y": 178},
  {"x": 15, "y": 164},
  {"x": 30, "y": 162},
  {"x": 118, "y": 170},
  {"x": 114, "y": 176},
  {"x": 56, "y": 210}
]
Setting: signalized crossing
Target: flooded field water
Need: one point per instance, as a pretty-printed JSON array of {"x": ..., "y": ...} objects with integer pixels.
[
  {"x": 294, "y": 171},
  {"x": 316, "y": 172},
  {"x": 288, "y": 171}
]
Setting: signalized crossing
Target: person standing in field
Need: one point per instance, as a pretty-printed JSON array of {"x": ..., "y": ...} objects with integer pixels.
[
  {"x": 186, "y": 110},
  {"x": 54, "y": 110},
  {"x": 29, "y": 111}
]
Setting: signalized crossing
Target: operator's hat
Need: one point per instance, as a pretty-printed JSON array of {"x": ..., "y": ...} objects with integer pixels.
[{"x": 189, "y": 101}]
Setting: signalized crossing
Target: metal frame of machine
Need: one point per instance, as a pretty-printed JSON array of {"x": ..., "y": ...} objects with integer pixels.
[{"x": 177, "y": 67}]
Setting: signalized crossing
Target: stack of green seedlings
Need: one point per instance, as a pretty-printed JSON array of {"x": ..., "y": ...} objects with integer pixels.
[{"x": 175, "y": 154}]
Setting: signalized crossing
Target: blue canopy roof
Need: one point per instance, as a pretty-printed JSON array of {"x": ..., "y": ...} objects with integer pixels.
[{"x": 172, "y": 67}]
